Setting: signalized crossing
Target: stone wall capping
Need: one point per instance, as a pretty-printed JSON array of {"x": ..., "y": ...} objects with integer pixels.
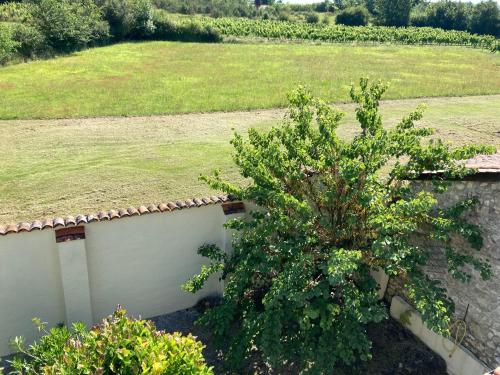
[{"x": 486, "y": 166}]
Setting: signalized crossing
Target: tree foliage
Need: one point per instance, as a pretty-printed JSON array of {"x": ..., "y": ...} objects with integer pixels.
[
  {"x": 485, "y": 18},
  {"x": 128, "y": 19},
  {"x": 354, "y": 16},
  {"x": 298, "y": 283},
  {"x": 69, "y": 25},
  {"x": 393, "y": 12}
]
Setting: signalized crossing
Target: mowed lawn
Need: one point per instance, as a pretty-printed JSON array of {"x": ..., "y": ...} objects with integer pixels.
[
  {"x": 60, "y": 167},
  {"x": 167, "y": 77}
]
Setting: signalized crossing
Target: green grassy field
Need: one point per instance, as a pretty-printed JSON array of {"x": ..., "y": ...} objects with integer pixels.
[
  {"x": 165, "y": 77},
  {"x": 58, "y": 167}
]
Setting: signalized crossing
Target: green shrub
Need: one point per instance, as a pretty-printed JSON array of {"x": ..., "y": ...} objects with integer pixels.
[
  {"x": 119, "y": 345},
  {"x": 312, "y": 18},
  {"x": 8, "y": 46},
  {"x": 186, "y": 31},
  {"x": 128, "y": 19},
  {"x": 353, "y": 16},
  {"x": 69, "y": 25}
]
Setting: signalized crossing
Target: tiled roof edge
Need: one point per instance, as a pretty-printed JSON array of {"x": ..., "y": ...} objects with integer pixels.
[{"x": 70, "y": 221}]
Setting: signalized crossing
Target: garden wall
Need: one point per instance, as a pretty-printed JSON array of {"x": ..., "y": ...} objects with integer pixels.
[
  {"x": 80, "y": 269},
  {"x": 483, "y": 297}
]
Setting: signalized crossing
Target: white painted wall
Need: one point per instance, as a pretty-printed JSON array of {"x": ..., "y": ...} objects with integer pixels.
[
  {"x": 139, "y": 262},
  {"x": 30, "y": 285},
  {"x": 459, "y": 362}
]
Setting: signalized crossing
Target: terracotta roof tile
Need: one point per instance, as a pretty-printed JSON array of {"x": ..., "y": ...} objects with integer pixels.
[
  {"x": 70, "y": 220},
  {"x": 153, "y": 208},
  {"x": 163, "y": 207},
  {"x": 92, "y": 217},
  {"x": 172, "y": 206},
  {"x": 190, "y": 203},
  {"x": 81, "y": 219},
  {"x": 37, "y": 224},
  {"x": 122, "y": 212},
  {"x": 133, "y": 211},
  {"x": 112, "y": 214},
  {"x": 48, "y": 223},
  {"x": 59, "y": 222},
  {"x": 24, "y": 227},
  {"x": 103, "y": 215},
  {"x": 11, "y": 228},
  {"x": 181, "y": 204}
]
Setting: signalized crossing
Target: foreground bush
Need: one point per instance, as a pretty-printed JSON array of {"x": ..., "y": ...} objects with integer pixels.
[
  {"x": 298, "y": 283},
  {"x": 119, "y": 345}
]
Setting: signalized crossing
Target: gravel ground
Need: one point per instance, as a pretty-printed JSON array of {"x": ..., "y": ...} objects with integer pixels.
[{"x": 395, "y": 350}]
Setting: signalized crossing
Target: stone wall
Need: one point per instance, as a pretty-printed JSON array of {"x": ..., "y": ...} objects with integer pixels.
[{"x": 483, "y": 297}]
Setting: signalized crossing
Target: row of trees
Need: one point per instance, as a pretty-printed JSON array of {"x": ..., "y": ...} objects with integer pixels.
[{"x": 482, "y": 18}]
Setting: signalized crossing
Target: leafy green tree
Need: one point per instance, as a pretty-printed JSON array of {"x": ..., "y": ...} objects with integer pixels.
[
  {"x": 298, "y": 283},
  {"x": 448, "y": 15},
  {"x": 69, "y": 25},
  {"x": 393, "y": 12},
  {"x": 485, "y": 18}
]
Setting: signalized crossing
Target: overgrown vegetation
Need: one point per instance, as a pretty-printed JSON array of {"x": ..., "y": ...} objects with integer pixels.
[
  {"x": 119, "y": 345},
  {"x": 299, "y": 289},
  {"x": 44, "y": 28}
]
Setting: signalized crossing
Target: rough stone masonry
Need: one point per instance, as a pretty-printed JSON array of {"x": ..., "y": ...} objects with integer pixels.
[{"x": 483, "y": 297}]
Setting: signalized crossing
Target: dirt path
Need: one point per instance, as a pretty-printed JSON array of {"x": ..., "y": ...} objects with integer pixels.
[{"x": 202, "y": 121}]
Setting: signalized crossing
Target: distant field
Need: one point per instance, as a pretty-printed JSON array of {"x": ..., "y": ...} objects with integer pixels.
[
  {"x": 165, "y": 77},
  {"x": 59, "y": 167}
]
